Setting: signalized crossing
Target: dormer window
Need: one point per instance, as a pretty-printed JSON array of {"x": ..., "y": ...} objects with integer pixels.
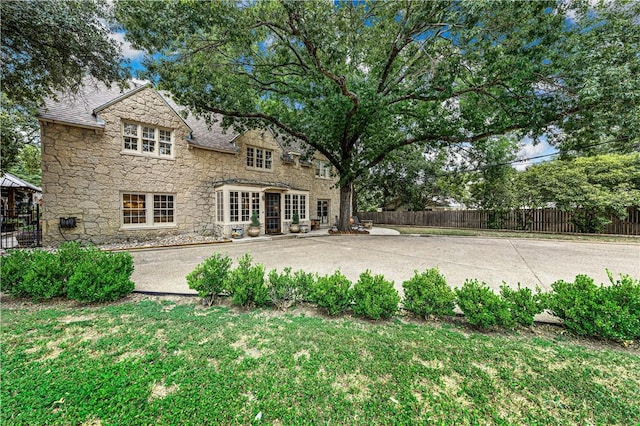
[
  {"x": 259, "y": 158},
  {"x": 146, "y": 140}
]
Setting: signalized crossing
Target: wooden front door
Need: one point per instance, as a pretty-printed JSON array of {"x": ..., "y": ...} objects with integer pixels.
[{"x": 272, "y": 216}]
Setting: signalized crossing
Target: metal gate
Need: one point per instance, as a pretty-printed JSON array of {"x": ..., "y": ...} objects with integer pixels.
[{"x": 20, "y": 228}]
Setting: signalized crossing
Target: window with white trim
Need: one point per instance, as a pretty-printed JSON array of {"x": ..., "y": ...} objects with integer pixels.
[
  {"x": 242, "y": 204},
  {"x": 148, "y": 209},
  {"x": 295, "y": 203},
  {"x": 259, "y": 158},
  {"x": 146, "y": 140},
  {"x": 220, "y": 206},
  {"x": 323, "y": 169}
]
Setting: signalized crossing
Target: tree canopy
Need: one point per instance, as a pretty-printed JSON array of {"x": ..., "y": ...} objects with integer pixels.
[
  {"x": 359, "y": 80},
  {"x": 49, "y": 46},
  {"x": 594, "y": 188}
]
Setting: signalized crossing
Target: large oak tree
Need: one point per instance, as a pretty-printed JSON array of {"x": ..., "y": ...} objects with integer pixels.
[
  {"x": 48, "y": 47},
  {"x": 357, "y": 80}
]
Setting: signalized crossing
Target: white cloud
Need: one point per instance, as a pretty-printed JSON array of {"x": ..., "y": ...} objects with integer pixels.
[
  {"x": 528, "y": 151},
  {"x": 127, "y": 50}
]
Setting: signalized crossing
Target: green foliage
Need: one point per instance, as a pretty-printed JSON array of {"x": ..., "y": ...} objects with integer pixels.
[
  {"x": 51, "y": 46},
  {"x": 246, "y": 284},
  {"x": 254, "y": 219},
  {"x": 610, "y": 312},
  {"x": 72, "y": 254},
  {"x": 332, "y": 293},
  {"x": 356, "y": 81},
  {"x": 12, "y": 270},
  {"x": 85, "y": 274},
  {"x": 593, "y": 188},
  {"x": 523, "y": 304},
  {"x": 101, "y": 277},
  {"x": 44, "y": 279},
  {"x": 296, "y": 218},
  {"x": 209, "y": 278},
  {"x": 283, "y": 289},
  {"x": 481, "y": 306},
  {"x": 428, "y": 293},
  {"x": 374, "y": 297}
]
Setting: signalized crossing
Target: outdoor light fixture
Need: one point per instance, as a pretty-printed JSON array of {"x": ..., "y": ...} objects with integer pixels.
[{"x": 67, "y": 222}]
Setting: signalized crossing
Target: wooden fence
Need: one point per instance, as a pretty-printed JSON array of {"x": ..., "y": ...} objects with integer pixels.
[{"x": 536, "y": 220}]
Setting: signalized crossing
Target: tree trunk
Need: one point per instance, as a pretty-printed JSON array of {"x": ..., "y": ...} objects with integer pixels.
[
  {"x": 354, "y": 200},
  {"x": 345, "y": 207}
]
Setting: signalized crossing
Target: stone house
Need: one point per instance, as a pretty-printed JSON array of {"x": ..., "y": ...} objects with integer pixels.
[{"x": 122, "y": 165}]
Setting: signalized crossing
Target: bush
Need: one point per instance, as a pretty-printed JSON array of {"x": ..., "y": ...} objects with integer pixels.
[
  {"x": 72, "y": 254},
  {"x": 246, "y": 284},
  {"x": 44, "y": 279},
  {"x": 304, "y": 283},
  {"x": 427, "y": 293},
  {"x": 102, "y": 277},
  {"x": 332, "y": 293},
  {"x": 13, "y": 268},
  {"x": 523, "y": 304},
  {"x": 481, "y": 306},
  {"x": 610, "y": 312},
  {"x": 209, "y": 278},
  {"x": 374, "y": 297},
  {"x": 286, "y": 289}
]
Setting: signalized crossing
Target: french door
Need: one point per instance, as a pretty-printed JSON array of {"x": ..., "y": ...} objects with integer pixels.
[{"x": 272, "y": 213}]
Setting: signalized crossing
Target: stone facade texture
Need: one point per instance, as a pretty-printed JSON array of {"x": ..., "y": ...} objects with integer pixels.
[{"x": 85, "y": 172}]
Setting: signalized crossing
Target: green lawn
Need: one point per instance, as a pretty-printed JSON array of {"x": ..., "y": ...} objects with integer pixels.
[
  {"x": 150, "y": 362},
  {"x": 422, "y": 230}
]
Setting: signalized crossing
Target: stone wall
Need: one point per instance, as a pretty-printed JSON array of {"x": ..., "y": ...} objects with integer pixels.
[{"x": 85, "y": 172}]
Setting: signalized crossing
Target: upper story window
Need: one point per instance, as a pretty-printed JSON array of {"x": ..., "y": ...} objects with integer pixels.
[
  {"x": 259, "y": 158},
  {"x": 323, "y": 169},
  {"x": 146, "y": 140}
]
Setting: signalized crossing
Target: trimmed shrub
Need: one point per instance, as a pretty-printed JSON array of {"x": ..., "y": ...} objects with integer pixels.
[
  {"x": 246, "y": 284},
  {"x": 209, "y": 278},
  {"x": 72, "y": 254},
  {"x": 374, "y": 297},
  {"x": 427, "y": 293},
  {"x": 481, "y": 306},
  {"x": 523, "y": 304},
  {"x": 610, "y": 312},
  {"x": 332, "y": 293},
  {"x": 304, "y": 283},
  {"x": 44, "y": 279},
  {"x": 101, "y": 277},
  {"x": 13, "y": 268},
  {"x": 286, "y": 289}
]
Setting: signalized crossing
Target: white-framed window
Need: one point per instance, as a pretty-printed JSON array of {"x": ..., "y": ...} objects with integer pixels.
[
  {"x": 295, "y": 203},
  {"x": 147, "y": 209},
  {"x": 242, "y": 204},
  {"x": 259, "y": 158},
  {"x": 146, "y": 140},
  {"x": 220, "y": 206},
  {"x": 323, "y": 169}
]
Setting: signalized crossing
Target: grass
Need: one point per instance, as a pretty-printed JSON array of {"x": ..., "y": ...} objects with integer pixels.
[
  {"x": 492, "y": 233},
  {"x": 162, "y": 362}
]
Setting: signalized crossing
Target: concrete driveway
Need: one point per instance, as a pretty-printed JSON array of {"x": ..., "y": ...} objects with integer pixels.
[{"x": 492, "y": 260}]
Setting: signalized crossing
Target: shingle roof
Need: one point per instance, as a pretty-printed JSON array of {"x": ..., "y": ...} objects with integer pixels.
[{"x": 80, "y": 110}]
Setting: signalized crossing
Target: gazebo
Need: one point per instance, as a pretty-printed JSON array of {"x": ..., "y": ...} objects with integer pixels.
[{"x": 19, "y": 203}]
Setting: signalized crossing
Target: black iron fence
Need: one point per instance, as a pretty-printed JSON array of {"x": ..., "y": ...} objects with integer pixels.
[{"x": 20, "y": 228}]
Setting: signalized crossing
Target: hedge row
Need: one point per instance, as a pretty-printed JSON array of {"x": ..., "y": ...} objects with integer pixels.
[
  {"x": 83, "y": 274},
  {"x": 611, "y": 312}
]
